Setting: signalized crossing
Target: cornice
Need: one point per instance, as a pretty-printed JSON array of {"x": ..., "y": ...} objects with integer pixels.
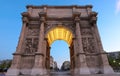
[{"x": 62, "y": 6}]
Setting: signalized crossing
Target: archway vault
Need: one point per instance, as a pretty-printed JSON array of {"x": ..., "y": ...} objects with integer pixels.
[{"x": 59, "y": 33}]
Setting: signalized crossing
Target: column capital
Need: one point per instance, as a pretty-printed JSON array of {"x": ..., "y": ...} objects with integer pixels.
[
  {"x": 25, "y": 20},
  {"x": 76, "y": 16},
  {"x": 42, "y": 16},
  {"x": 25, "y": 16},
  {"x": 46, "y": 39},
  {"x": 93, "y": 17},
  {"x": 74, "y": 38},
  {"x": 49, "y": 47}
]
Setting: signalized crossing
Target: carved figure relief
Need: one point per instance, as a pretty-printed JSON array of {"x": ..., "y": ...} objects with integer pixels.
[
  {"x": 84, "y": 42},
  {"x": 32, "y": 32},
  {"x": 28, "y": 44},
  {"x": 86, "y": 31},
  {"x": 31, "y": 45},
  {"x": 88, "y": 45},
  {"x": 91, "y": 45},
  {"x": 35, "y": 44},
  {"x": 52, "y": 25}
]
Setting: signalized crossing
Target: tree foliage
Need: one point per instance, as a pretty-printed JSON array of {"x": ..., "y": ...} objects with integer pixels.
[
  {"x": 114, "y": 62},
  {"x": 5, "y": 64}
]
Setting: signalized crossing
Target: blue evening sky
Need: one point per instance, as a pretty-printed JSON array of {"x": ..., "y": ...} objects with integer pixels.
[{"x": 10, "y": 25}]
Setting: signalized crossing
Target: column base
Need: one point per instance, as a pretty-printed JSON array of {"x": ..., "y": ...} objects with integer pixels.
[
  {"x": 95, "y": 70},
  {"x": 38, "y": 71},
  {"x": 13, "y": 72},
  {"x": 107, "y": 70},
  {"x": 79, "y": 71},
  {"x": 25, "y": 71}
]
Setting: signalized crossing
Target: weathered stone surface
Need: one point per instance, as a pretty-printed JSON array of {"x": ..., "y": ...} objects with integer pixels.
[{"x": 32, "y": 56}]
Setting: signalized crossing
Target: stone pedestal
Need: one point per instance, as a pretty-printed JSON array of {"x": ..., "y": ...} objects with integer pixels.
[
  {"x": 38, "y": 68},
  {"x": 106, "y": 68},
  {"x": 83, "y": 68},
  {"x": 13, "y": 72},
  {"x": 39, "y": 71}
]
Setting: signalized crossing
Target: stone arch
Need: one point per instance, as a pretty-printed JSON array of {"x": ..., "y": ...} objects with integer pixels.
[
  {"x": 61, "y": 30},
  {"x": 74, "y": 18}
]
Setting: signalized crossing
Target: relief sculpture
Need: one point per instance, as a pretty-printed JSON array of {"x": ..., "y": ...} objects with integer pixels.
[
  {"x": 31, "y": 45},
  {"x": 28, "y": 45},
  {"x": 86, "y": 31},
  {"x": 35, "y": 44},
  {"x": 84, "y": 42},
  {"x": 33, "y": 32},
  {"x": 91, "y": 45},
  {"x": 88, "y": 45}
]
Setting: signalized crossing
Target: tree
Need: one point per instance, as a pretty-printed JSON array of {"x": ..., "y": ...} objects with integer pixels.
[
  {"x": 115, "y": 63},
  {"x": 5, "y": 64}
]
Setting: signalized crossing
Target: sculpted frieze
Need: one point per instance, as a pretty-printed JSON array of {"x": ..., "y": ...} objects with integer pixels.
[
  {"x": 86, "y": 31},
  {"x": 54, "y": 24},
  {"x": 91, "y": 45},
  {"x": 88, "y": 45},
  {"x": 33, "y": 32},
  {"x": 84, "y": 24},
  {"x": 31, "y": 45}
]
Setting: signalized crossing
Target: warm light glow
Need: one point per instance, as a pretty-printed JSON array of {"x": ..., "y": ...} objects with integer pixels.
[{"x": 59, "y": 33}]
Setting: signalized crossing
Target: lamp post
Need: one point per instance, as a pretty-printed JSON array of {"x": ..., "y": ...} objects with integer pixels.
[{"x": 114, "y": 61}]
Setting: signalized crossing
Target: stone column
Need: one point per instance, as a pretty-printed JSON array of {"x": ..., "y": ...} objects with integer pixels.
[
  {"x": 98, "y": 38},
  {"x": 22, "y": 35},
  {"x": 14, "y": 70},
  {"x": 82, "y": 66},
  {"x": 48, "y": 60},
  {"x": 104, "y": 67},
  {"x": 39, "y": 65},
  {"x": 93, "y": 22},
  {"x": 75, "y": 70}
]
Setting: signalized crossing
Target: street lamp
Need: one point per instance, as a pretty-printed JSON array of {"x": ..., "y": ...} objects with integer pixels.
[{"x": 114, "y": 61}]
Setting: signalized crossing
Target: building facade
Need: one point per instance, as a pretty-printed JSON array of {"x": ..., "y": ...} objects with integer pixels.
[
  {"x": 65, "y": 66},
  {"x": 51, "y": 62},
  {"x": 42, "y": 25},
  {"x": 114, "y": 55}
]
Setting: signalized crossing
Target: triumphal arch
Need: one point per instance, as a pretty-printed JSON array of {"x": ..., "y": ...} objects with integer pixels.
[{"x": 42, "y": 25}]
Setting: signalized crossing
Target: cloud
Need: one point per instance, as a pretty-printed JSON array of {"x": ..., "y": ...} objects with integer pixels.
[{"x": 118, "y": 6}]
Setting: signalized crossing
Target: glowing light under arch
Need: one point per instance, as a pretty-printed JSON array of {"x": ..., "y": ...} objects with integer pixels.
[{"x": 59, "y": 33}]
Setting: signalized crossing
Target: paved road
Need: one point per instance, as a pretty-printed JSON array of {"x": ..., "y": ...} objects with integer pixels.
[
  {"x": 2, "y": 74},
  {"x": 67, "y": 73}
]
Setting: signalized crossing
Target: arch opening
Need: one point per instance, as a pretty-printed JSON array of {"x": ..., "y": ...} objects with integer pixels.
[
  {"x": 65, "y": 35},
  {"x": 60, "y": 52}
]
